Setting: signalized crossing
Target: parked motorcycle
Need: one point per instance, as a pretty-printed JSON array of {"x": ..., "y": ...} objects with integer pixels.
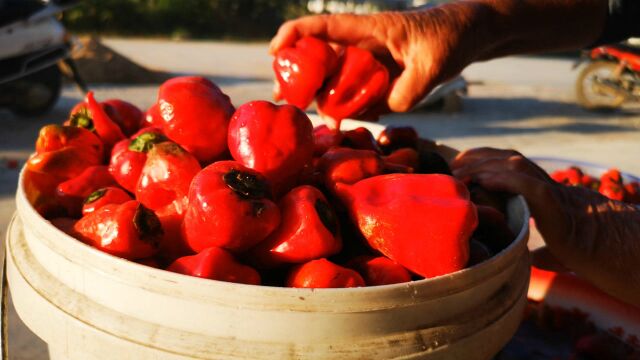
[
  {"x": 33, "y": 47},
  {"x": 610, "y": 78}
]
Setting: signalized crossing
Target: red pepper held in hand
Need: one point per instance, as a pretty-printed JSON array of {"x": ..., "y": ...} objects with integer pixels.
[
  {"x": 274, "y": 140},
  {"x": 229, "y": 207},
  {"x": 127, "y": 230},
  {"x": 301, "y": 70},
  {"x": 308, "y": 230},
  {"x": 166, "y": 175},
  {"x": 322, "y": 273},
  {"x": 196, "y": 115},
  {"x": 359, "y": 84},
  {"x": 423, "y": 222},
  {"x": 104, "y": 196},
  {"x": 216, "y": 264}
]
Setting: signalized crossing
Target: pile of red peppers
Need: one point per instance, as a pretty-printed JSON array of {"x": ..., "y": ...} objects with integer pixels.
[{"x": 256, "y": 194}]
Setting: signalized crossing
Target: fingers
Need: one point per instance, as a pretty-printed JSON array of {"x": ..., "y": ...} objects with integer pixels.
[
  {"x": 410, "y": 87},
  {"x": 339, "y": 28}
]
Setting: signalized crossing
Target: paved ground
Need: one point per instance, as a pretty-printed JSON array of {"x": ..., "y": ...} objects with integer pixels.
[{"x": 525, "y": 103}]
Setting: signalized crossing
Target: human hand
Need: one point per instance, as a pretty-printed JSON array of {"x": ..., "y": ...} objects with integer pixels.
[
  {"x": 593, "y": 236},
  {"x": 420, "y": 48}
]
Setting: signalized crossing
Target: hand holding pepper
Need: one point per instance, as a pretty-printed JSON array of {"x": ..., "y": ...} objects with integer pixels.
[{"x": 592, "y": 235}]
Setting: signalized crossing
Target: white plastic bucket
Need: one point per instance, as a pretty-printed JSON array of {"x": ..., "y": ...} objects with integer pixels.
[{"x": 87, "y": 304}]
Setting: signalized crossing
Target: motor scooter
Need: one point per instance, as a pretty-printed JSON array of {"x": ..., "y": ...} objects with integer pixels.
[
  {"x": 34, "y": 46},
  {"x": 610, "y": 78}
]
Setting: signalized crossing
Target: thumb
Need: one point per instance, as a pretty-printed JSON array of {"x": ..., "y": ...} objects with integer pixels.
[{"x": 409, "y": 88}]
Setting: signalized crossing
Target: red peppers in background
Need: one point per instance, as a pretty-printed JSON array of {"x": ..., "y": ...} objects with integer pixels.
[
  {"x": 127, "y": 230},
  {"x": 322, "y": 273},
  {"x": 196, "y": 115},
  {"x": 216, "y": 264},
  {"x": 274, "y": 140},
  {"x": 423, "y": 222},
  {"x": 166, "y": 175},
  {"x": 359, "y": 83},
  {"x": 301, "y": 70},
  {"x": 308, "y": 230},
  {"x": 324, "y": 139},
  {"x": 230, "y": 207}
]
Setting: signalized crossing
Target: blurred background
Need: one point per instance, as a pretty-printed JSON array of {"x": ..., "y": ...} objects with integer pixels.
[{"x": 50, "y": 52}]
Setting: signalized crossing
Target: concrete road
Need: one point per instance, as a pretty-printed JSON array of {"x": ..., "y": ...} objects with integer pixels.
[{"x": 525, "y": 103}]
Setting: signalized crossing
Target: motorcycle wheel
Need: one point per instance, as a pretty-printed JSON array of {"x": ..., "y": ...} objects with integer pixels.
[
  {"x": 36, "y": 93},
  {"x": 591, "y": 94}
]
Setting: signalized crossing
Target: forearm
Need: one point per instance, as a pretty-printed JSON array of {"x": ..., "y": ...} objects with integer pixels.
[
  {"x": 602, "y": 243},
  {"x": 509, "y": 27}
]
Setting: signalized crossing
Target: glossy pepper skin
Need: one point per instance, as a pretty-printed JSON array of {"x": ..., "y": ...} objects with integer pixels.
[
  {"x": 423, "y": 222},
  {"x": 379, "y": 270},
  {"x": 230, "y": 207},
  {"x": 274, "y": 140},
  {"x": 107, "y": 129},
  {"x": 301, "y": 70},
  {"x": 128, "y": 156},
  {"x": 128, "y": 117},
  {"x": 308, "y": 230},
  {"x": 104, "y": 196},
  {"x": 152, "y": 117},
  {"x": 127, "y": 230},
  {"x": 166, "y": 175},
  {"x": 216, "y": 264},
  {"x": 73, "y": 192},
  {"x": 195, "y": 114},
  {"x": 322, "y": 273},
  {"x": 359, "y": 83}
]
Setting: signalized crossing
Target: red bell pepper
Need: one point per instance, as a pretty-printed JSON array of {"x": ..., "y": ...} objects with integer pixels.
[
  {"x": 274, "y": 140},
  {"x": 322, "y": 273},
  {"x": 359, "y": 83},
  {"x": 127, "y": 230},
  {"x": 216, "y": 264},
  {"x": 40, "y": 190},
  {"x": 107, "y": 129},
  {"x": 166, "y": 175},
  {"x": 301, "y": 70},
  {"x": 196, "y": 115},
  {"x": 612, "y": 185},
  {"x": 104, "y": 196},
  {"x": 172, "y": 244},
  {"x": 397, "y": 137},
  {"x": 73, "y": 192},
  {"x": 229, "y": 207},
  {"x": 360, "y": 138},
  {"x": 128, "y": 156},
  {"x": 56, "y": 137},
  {"x": 308, "y": 230},
  {"x": 345, "y": 165},
  {"x": 408, "y": 157},
  {"x": 379, "y": 270},
  {"x": 65, "y": 163},
  {"x": 128, "y": 117},
  {"x": 423, "y": 222},
  {"x": 324, "y": 139}
]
